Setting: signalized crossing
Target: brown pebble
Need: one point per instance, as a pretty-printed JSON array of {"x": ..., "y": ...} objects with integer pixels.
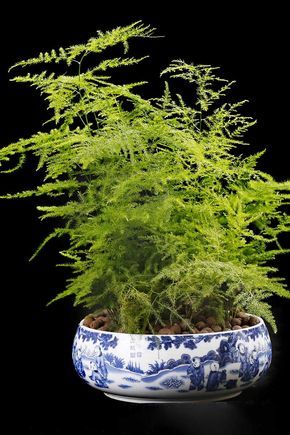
[
  {"x": 157, "y": 326},
  {"x": 200, "y": 318},
  {"x": 165, "y": 331},
  {"x": 235, "y": 327},
  {"x": 176, "y": 329},
  {"x": 245, "y": 326},
  {"x": 105, "y": 327},
  {"x": 104, "y": 319},
  {"x": 216, "y": 328},
  {"x": 245, "y": 320},
  {"x": 88, "y": 320},
  {"x": 235, "y": 321},
  {"x": 200, "y": 325},
  {"x": 194, "y": 331},
  {"x": 97, "y": 323},
  {"x": 206, "y": 330},
  {"x": 211, "y": 321},
  {"x": 244, "y": 317},
  {"x": 253, "y": 321},
  {"x": 184, "y": 324}
]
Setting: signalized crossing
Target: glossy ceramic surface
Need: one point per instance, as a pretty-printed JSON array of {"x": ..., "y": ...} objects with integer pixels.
[{"x": 181, "y": 367}]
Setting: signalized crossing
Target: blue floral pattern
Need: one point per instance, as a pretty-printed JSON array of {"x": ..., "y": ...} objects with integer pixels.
[{"x": 105, "y": 340}]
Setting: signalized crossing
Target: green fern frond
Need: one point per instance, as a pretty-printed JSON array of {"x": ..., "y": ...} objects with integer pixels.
[
  {"x": 46, "y": 57},
  {"x": 120, "y": 35},
  {"x": 203, "y": 77},
  {"x": 117, "y": 63},
  {"x": 51, "y": 189},
  {"x": 58, "y": 232}
]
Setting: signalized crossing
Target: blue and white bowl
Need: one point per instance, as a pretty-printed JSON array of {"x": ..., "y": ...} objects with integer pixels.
[{"x": 172, "y": 368}]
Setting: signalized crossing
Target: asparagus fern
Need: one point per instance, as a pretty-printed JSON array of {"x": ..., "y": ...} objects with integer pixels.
[{"x": 164, "y": 218}]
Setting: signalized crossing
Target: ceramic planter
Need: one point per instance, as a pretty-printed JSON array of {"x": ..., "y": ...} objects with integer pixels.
[{"x": 172, "y": 368}]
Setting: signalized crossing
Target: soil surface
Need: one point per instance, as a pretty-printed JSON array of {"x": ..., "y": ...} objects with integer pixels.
[{"x": 103, "y": 322}]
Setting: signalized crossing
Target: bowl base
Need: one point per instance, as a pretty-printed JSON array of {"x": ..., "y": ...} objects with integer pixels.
[{"x": 132, "y": 399}]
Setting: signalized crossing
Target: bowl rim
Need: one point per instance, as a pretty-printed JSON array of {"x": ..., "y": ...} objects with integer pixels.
[{"x": 231, "y": 331}]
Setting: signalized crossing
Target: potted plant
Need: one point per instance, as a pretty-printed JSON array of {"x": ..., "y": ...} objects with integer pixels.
[{"x": 171, "y": 233}]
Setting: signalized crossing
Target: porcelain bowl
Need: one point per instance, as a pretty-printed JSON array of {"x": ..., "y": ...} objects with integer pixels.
[{"x": 172, "y": 368}]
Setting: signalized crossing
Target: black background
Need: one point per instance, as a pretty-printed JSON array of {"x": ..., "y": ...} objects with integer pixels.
[{"x": 45, "y": 395}]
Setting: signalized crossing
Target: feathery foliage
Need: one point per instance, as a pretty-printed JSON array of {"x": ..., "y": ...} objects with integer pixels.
[{"x": 163, "y": 218}]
